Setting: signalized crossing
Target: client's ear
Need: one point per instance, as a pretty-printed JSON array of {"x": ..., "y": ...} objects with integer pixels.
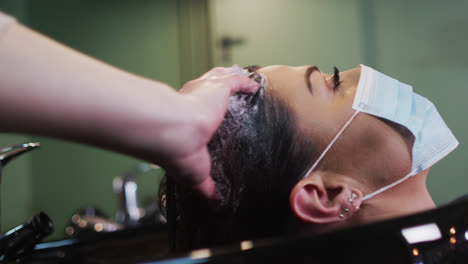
[{"x": 315, "y": 201}]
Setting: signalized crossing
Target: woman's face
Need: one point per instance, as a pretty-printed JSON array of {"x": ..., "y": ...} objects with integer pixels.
[{"x": 321, "y": 110}]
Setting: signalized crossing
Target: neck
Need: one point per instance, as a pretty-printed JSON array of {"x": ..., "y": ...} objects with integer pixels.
[{"x": 409, "y": 197}]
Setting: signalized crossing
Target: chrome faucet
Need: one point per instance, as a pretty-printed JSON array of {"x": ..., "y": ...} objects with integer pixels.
[
  {"x": 129, "y": 212},
  {"x": 9, "y": 153}
]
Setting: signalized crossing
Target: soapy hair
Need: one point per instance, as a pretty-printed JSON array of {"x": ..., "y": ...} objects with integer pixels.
[{"x": 258, "y": 155}]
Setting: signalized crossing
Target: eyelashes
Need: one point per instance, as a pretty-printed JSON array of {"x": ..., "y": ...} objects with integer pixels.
[{"x": 336, "y": 77}]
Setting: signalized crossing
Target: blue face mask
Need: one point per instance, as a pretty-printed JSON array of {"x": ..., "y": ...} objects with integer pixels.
[{"x": 382, "y": 96}]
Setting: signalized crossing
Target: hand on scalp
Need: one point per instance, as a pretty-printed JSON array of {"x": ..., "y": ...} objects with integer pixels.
[{"x": 208, "y": 99}]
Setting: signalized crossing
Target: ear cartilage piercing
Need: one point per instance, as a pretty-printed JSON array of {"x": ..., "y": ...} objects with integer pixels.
[
  {"x": 343, "y": 212},
  {"x": 351, "y": 199},
  {"x": 357, "y": 209}
]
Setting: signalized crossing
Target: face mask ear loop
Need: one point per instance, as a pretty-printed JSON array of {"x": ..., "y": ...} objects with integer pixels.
[
  {"x": 331, "y": 143},
  {"x": 383, "y": 189}
]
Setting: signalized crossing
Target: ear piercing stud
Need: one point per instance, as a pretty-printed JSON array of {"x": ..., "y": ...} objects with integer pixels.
[
  {"x": 345, "y": 211},
  {"x": 351, "y": 200}
]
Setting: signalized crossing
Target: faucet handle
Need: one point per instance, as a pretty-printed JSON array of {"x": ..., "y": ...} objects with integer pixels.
[{"x": 11, "y": 152}]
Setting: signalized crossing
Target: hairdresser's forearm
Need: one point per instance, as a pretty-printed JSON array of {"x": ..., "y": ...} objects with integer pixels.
[{"x": 49, "y": 89}]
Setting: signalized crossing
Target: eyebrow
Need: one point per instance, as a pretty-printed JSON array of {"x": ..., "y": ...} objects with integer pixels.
[
  {"x": 252, "y": 68},
  {"x": 309, "y": 72}
]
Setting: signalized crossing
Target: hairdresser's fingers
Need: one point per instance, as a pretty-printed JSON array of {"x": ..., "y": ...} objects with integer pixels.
[
  {"x": 232, "y": 82},
  {"x": 239, "y": 83},
  {"x": 219, "y": 89},
  {"x": 207, "y": 98},
  {"x": 216, "y": 72},
  {"x": 220, "y": 71},
  {"x": 210, "y": 98},
  {"x": 233, "y": 78},
  {"x": 207, "y": 189},
  {"x": 194, "y": 171}
]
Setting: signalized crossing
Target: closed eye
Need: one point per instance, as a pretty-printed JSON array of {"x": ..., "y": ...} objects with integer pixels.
[{"x": 336, "y": 78}]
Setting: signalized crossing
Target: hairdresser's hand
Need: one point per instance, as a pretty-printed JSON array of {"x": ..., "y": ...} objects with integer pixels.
[{"x": 207, "y": 99}]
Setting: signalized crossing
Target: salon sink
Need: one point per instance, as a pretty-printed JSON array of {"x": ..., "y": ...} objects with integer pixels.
[
  {"x": 130, "y": 245},
  {"x": 436, "y": 236}
]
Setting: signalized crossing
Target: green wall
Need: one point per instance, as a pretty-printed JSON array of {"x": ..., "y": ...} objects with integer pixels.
[
  {"x": 300, "y": 32},
  {"x": 424, "y": 43}
]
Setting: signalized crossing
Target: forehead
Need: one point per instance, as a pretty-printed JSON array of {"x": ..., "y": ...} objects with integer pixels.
[
  {"x": 281, "y": 74},
  {"x": 287, "y": 82}
]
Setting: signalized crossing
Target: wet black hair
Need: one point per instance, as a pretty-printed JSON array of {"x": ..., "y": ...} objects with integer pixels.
[{"x": 258, "y": 156}]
